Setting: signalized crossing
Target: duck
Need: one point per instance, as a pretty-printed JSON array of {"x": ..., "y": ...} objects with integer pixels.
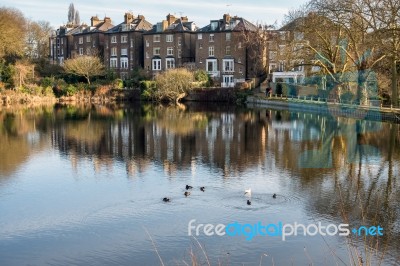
[
  {"x": 247, "y": 191},
  {"x": 186, "y": 193},
  {"x": 166, "y": 199},
  {"x": 188, "y": 187},
  {"x": 274, "y": 196},
  {"x": 203, "y": 189},
  {"x": 248, "y": 202}
]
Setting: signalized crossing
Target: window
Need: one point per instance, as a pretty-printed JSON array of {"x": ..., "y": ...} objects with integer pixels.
[
  {"x": 113, "y": 51},
  {"x": 80, "y": 40},
  {"x": 114, "y": 39},
  {"x": 94, "y": 43},
  {"x": 124, "y": 39},
  {"x": 156, "y": 51},
  {"x": 88, "y": 51},
  {"x": 124, "y": 51},
  {"x": 131, "y": 42},
  {"x": 62, "y": 41},
  {"x": 200, "y": 46},
  {"x": 298, "y": 36},
  {"x": 169, "y": 38},
  {"x": 211, "y": 38},
  {"x": 147, "y": 55},
  {"x": 239, "y": 60},
  {"x": 200, "y": 36},
  {"x": 228, "y": 65},
  {"x": 113, "y": 62},
  {"x": 156, "y": 38},
  {"x": 211, "y": 65},
  {"x": 124, "y": 62},
  {"x": 170, "y": 63},
  {"x": 170, "y": 51},
  {"x": 81, "y": 51},
  {"x": 228, "y": 50},
  {"x": 179, "y": 53},
  {"x": 228, "y": 36},
  {"x": 88, "y": 39},
  {"x": 147, "y": 43},
  {"x": 272, "y": 55},
  {"x": 179, "y": 40},
  {"x": 240, "y": 70},
  {"x": 156, "y": 64},
  {"x": 211, "y": 51},
  {"x": 240, "y": 45},
  {"x": 282, "y": 49}
]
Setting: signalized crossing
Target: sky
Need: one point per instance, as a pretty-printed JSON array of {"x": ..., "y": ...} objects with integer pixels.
[{"x": 201, "y": 12}]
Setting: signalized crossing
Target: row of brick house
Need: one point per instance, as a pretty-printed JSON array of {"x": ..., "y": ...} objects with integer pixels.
[{"x": 218, "y": 48}]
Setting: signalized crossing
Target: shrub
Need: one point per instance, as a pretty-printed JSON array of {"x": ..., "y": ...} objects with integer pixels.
[
  {"x": 173, "y": 83},
  {"x": 47, "y": 91},
  {"x": 118, "y": 83},
  {"x": 147, "y": 89},
  {"x": 70, "y": 90},
  {"x": 47, "y": 82}
]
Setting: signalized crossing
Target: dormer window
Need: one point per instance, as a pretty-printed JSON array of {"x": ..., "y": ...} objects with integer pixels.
[{"x": 214, "y": 25}]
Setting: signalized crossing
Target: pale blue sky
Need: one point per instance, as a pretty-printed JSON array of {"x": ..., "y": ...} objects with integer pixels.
[{"x": 201, "y": 12}]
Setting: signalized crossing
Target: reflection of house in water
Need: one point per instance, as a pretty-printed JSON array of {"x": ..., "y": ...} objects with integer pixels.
[{"x": 220, "y": 139}]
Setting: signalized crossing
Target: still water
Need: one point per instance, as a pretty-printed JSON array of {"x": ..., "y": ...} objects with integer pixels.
[{"x": 84, "y": 186}]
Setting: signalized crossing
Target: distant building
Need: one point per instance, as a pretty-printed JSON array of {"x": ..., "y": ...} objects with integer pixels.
[
  {"x": 222, "y": 51},
  {"x": 123, "y": 49},
  {"x": 170, "y": 44}
]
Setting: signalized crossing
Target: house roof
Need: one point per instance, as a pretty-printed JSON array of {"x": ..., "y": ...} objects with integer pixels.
[
  {"x": 137, "y": 24},
  {"x": 229, "y": 23},
  {"x": 178, "y": 26}
]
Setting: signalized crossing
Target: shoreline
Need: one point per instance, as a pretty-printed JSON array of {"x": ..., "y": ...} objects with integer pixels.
[{"x": 327, "y": 108}]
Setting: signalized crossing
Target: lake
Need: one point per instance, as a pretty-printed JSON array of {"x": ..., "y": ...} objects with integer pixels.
[{"x": 85, "y": 186}]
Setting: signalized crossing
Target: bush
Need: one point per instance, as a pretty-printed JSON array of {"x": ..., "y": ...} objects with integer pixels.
[
  {"x": 118, "y": 83},
  {"x": 70, "y": 90},
  {"x": 47, "y": 91},
  {"x": 172, "y": 84},
  {"x": 147, "y": 89},
  {"x": 47, "y": 82},
  {"x": 202, "y": 76}
]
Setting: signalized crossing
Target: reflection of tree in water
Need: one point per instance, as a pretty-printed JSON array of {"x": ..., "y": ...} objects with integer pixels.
[
  {"x": 360, "y": 185},
  {"x": 19, "y": 136}
]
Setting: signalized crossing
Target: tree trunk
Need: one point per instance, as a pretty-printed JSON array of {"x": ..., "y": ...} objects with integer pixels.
[
  {"x": 88, "y": 80},
  {"x": 395, "y": 93}
]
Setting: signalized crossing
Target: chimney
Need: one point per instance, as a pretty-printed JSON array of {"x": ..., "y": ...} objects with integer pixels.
[
  {"x": 107, "y": 19},
  {"x": 184, "y": 19},
  {"x": 128, "y": 18},
  {"x": 171, "y": 19},
  {"x": 227, "y": 18},
  {"x": 141, "y": 17},
  {"x": 94, "y": 21},
  {"x": 164, "y": 25}
]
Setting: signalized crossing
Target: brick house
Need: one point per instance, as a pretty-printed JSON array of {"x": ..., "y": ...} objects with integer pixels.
[
  {"x": 72, "y": 40},
  {"x": 123, "y": 50},
  {"x": 90, "y": 40},
  {"x": 222, "y": 51},
  {"x": 170, "y": 44}
]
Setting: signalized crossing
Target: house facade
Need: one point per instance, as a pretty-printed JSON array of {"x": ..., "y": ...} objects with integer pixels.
[
  {"x": 123, "y": 49},
  {"x": 170, "y": 44},
  {"x": 222, "y": 50}
]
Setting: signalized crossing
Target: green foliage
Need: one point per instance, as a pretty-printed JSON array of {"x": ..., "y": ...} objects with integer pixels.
[
  {"x": 118, "y": 83},
  {"x": 6, "y": 74},
  {"x": 70, "y": 90},
  {"x": 137, "y": 75},
  {"x": 148, "y": 89},
  {"x": 47, "y": 82},
  {"x": 202, "y": 76}
]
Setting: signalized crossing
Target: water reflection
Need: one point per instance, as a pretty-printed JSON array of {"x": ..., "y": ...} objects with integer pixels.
[{"x": 341, "y": 168}]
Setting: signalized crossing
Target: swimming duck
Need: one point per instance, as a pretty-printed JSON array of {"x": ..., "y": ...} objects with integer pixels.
[
  {"x": 186, "y": 194},
  {"x": 248, "y": 202},
  {"x": 188, "y": 187},
  {"x": 166, "y": 199},
  {"x": 203, "y": 189},
  {"x": 274, "y": 196}
]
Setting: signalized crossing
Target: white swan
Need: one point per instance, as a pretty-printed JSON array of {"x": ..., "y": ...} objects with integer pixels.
[{"x": 247, "y": 191}]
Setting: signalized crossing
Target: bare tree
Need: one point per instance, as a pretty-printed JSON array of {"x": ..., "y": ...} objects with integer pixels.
[
  {"x": 22, "y": 71},
  {"x": 37, "y": 43},
  {"x": 84, "y": 66}
]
